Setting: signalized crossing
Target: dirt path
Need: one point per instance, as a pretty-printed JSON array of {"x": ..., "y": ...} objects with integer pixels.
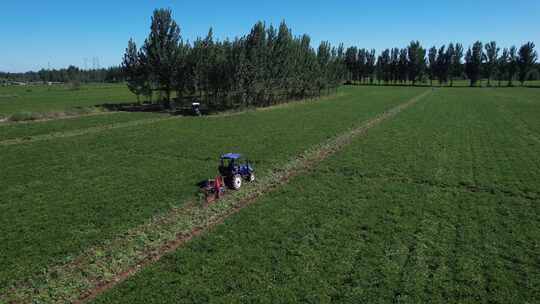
[
  {"x": 7, "y": 122},
  {"x": 102, "y": 267},
  {"x": 78, "y": 132}
]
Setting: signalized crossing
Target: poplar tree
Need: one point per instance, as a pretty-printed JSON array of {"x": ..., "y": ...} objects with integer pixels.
[
  {"x": 512, "y": 65},
  {"x": 416, "y": 60},
  {"x": 160, "y": 50},
  {"x": 473, "y": 62},
  {"x": 432, "y": 64},
  {"x": 456, "y": 65},
  {"x": 370, "y": 64},
  {"x": 282, "y": 58},
  {"x": 184, "y": 77},
  {"x": 526, "y": 60},
  {"x": 394, "y": 61},
  {"x": 492, "y": 53},
  {"x": 450, "y": 57},
  {"x": 351, "y": 61},
  {"x": 145, "y": 72},
  {"x": 387, "y": 66},
  {"x": 402, "y": 65},
  {"x": 379, "y": 69},
  {"x": 362, "y": 62},
  {"x": 443, "y": 65},
  {"x": 502, "y": 65},
  {"x": 269, "y": 70},
  {"x": 134, "y": 70},
  {"x": 256, "y": 56},
  {"x": 324, "y": 60}
]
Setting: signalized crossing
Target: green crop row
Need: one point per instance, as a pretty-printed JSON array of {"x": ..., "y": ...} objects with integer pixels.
[{"x": 438, "y": 205}]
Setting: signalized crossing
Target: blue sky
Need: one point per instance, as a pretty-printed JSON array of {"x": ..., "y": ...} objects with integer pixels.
[{"x": 35, "y": 34}]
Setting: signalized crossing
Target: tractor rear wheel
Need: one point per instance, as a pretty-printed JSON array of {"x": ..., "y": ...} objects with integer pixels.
[{"x": 236, "y": 182}]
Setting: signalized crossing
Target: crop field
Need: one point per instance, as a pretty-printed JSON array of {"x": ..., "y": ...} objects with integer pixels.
[
  {"x": 158, "y": 154},
  {"x": 43, "y": 99},
  {"x": 83, "y": 189},
  {"x": 58, "y": 98},
  {"x": 438, "y": 203},
  {"x": 28, "y": 131}
]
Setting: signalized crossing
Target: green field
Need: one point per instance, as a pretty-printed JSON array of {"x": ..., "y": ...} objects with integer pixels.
[
  {"x": 437, "y": 204},
  {"x": 60, "y": 196},
  {"x": 11, "y": 131},
  {"x": 58, "y": 98}
]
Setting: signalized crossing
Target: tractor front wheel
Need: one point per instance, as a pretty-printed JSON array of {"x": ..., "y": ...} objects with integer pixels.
[
  {"x": 236, "y": 182},
  {"x": 251, "y": 177}
]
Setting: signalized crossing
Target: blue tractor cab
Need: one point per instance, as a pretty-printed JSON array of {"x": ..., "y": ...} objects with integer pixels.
[{"x": 234, "y": 170}]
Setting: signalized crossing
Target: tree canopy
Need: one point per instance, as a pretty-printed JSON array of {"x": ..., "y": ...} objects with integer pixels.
[
  {"x": 270, "y": 64},
  {"x": 266, "y": 65}
]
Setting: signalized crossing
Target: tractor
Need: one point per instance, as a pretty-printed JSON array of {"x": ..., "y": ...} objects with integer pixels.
[
  {"x": 196, "y": 108},
  {"x": 234, "y": 170}
]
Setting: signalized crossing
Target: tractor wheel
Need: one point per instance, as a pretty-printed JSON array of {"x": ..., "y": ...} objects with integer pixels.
[{"x": 236, "y": 182}]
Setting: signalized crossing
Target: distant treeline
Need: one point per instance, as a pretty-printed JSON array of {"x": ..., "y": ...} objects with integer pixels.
[
  {"x": 271, "y": 64},
  {"x": 265, "y": 66},
  {"x": 70, "y": 74},
  {"x": 415, "y": 64}
]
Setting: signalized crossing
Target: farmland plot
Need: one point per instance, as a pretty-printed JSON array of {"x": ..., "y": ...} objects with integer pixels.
[
  {"x": 85, "y": 189},
  {"x": 41, "y": 99},
  {"x": 28, "y": 131},
  {"x": 439, "y": 205}
]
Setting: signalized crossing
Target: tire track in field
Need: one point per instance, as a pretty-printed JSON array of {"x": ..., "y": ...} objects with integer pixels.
[
  {"x": 79, "y": 132},
  {"x": 100, "y": 268},
  {"x": 524, "y": 194},
  {"x": 7, "y": 122}
]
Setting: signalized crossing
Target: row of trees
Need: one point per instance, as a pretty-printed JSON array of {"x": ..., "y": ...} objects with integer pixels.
[
  {"x": 416, "y": 64},
  {"x": 270, "y": 64},
  {"x": 70, "y": 74},
  {"x": 264, "y": 66},
  {"x": 486, "y": 61}
]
